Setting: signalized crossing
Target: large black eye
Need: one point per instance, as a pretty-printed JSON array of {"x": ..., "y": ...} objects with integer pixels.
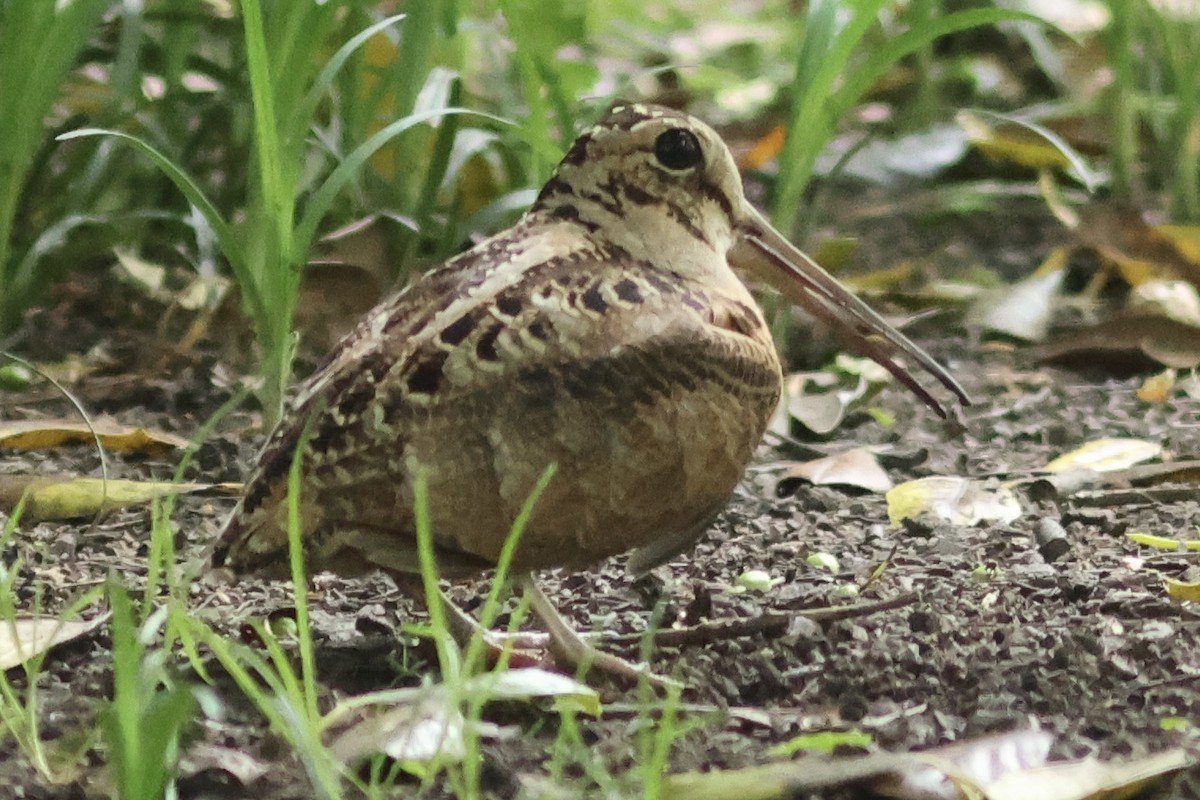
[{"x": 678, "y": 148}]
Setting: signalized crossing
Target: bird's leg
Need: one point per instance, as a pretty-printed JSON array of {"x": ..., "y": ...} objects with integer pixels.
[
  {"x": 462, "y": 627},
  {"x": 571, "y": 651},
  {"x": 568, "y": 649}
]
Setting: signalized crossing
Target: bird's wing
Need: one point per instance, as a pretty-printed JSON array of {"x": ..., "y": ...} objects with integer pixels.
[{"x": 446, "y": 348}]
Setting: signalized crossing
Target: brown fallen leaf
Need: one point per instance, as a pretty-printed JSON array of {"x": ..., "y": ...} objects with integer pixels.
[
  {"x": 46, "y": 433},
  {"x": 1077, "y": 482},
  {"x": 79, "y": 498},
  {"x": 333, "y": 297},
  {"x": 1156, "y": 474},
  {"x": 1126, "y": 340},
  {"x": 765, "y": 149},
  {"x": 1137, "y": 251}
]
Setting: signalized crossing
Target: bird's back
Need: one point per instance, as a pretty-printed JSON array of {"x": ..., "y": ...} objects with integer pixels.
[{"x": 544, "y": 346}]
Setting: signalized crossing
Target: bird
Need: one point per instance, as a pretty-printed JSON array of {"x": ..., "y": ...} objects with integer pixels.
[{"x": 606, "y": 334}]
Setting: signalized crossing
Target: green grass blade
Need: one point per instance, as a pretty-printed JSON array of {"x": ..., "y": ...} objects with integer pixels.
[
  {"x": 322, "y": 200},
  {"x": 824, "y": 56},
  {"x": 1091, "y": 181},
  {"x": 439, "y": 162},
  {"x": 405, "y": 78},
  {"x": 277, "y": 192},
  {"x": 491, "y": 604},
  {"x": 40, "y": 43},
  {"x": 229, "y": 243},
  {"x": 427, "y": 561},
  {"x": 283, "y": 717},
  {"x": 306, "y": 110},
  {"x": 819, "y": 109},
  {"x": 857, "y": 84},
  {"x": 295, "y": 531}
]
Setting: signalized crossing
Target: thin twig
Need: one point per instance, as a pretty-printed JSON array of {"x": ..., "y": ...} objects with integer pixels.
[{"x": 769, "y": 622}]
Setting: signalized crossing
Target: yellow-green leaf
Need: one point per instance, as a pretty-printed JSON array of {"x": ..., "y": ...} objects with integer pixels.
[
  {"x": 822, "y": 742},
  {"x": 73, "y": 498},
  {"x": 1182, "y": 590},
  {"x": 1162, "y": 542},
  {"x": 42, "y": 434}
]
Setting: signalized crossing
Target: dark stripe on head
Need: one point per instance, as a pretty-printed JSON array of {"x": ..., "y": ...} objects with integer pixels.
[
  {"x": 711, "y": 192},
  {"x": 569, "y": 212},
  {"x": 609, "y": 203},
  {"x": 638, "y": 195},
  {"x": 578, "y": 153},
  {"x": 555, "y": 186},
  {"x": 680, "y": 215}
]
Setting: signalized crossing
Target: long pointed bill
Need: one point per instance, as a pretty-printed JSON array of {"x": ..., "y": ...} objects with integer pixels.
[{"x": 765, "y": 253}]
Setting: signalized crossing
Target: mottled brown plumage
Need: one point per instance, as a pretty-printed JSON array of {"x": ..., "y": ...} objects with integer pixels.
[{"x": 605, "y": 333}]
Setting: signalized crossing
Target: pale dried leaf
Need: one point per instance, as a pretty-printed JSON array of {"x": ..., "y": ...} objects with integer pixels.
[
  {"x": 1088, "y": 779},
  {"x": 822, "y": 411},
  {"x": 958, "y": 501},
  {"x": 24, "y": 637},
  {"x": 922, "y": 155},
  {"x": 136, "y": 271},
  {"x": 420, "y": 725},
  {"x": 243, "y": 767},
  {"x": 978, "y": 761},
  {"x": 427, "y": 727},
  {"x": 534, "y": 683},
  {"x": 1106, "y": 455},
  {"x": 1174, "y": 299},
  {"x": 857, "y": 467},
  {"x": 1023, "y": 310}
]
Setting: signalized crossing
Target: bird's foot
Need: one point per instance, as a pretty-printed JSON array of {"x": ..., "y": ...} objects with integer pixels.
[{"x": 575, "y": 654}]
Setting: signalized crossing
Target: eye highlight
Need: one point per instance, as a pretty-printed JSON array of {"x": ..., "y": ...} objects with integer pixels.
[{"x": 678, "y": 149}]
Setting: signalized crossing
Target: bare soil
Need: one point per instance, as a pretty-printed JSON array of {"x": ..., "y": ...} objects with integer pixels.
[{"x": 984, "y": 633}]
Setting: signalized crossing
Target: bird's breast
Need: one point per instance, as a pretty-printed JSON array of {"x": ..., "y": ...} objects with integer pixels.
[{"x": 644, "y": 444}]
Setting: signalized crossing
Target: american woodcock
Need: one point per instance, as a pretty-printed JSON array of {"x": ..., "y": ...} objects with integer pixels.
[{"x": 605, "y": 332}]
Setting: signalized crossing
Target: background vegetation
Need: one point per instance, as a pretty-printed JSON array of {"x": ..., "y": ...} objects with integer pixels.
[{"x": 224, "y": 142}]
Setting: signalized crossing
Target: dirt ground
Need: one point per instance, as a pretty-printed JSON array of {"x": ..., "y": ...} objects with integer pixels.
[{"x": 985, "y": 634}]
